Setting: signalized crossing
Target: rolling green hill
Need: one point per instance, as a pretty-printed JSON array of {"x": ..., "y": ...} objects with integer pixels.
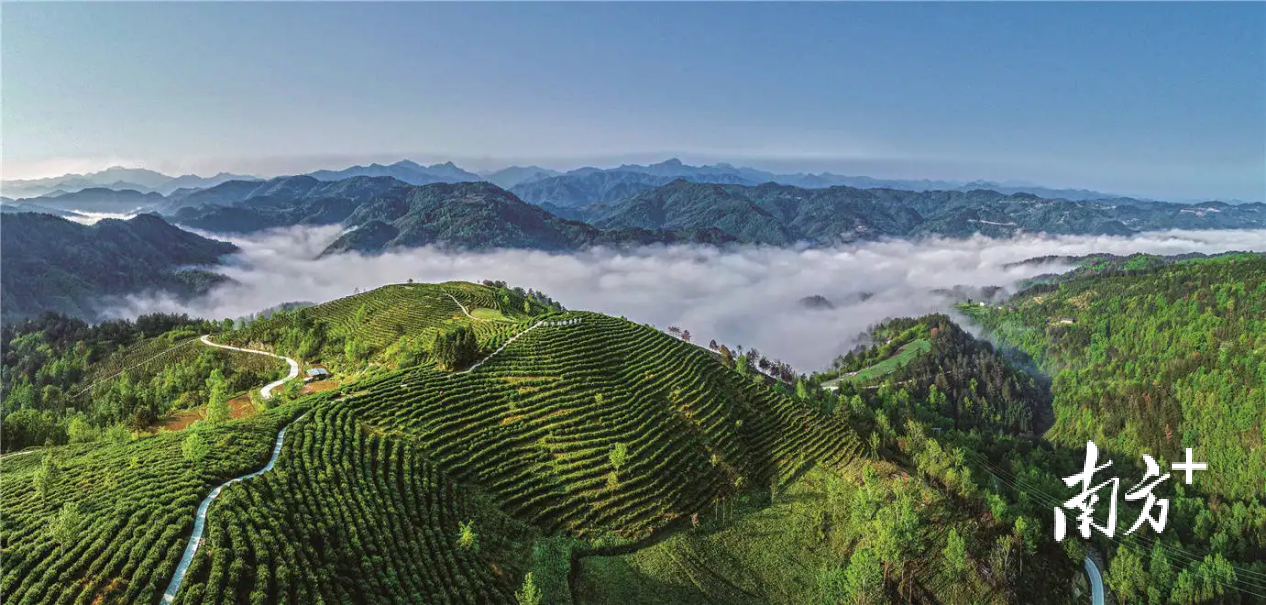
[
  {"x": 349, "y": 515},
  {"x": 611, "y": 461}
]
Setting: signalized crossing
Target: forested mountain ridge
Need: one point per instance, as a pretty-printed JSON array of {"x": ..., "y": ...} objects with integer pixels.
[
  {"x": 931, "y": 361},
  {"x": 52, "y": 264},
  {"x": 248, "y": 206},
  {"x": 835, "y": 214},
  {"x": 483, "y": 216},
  {"x": 570, "y": 191},
  {"x": 405, "y": 170},
  {"x": 1157, "y": 360},
  {"x": 682, "y": 210}
]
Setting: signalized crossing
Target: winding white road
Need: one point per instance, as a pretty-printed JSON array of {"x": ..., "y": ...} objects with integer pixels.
[
  {"x": 459, "y": 303},
  {"x": 200, "y": 519},
  {"x": 267, "y": 391},
  {"x": 499, "y": 349},
  {"x": 1096, "y": 581}
]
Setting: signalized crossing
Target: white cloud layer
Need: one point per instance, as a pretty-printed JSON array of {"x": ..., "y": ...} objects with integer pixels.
[{"x": 742, "y": 296}]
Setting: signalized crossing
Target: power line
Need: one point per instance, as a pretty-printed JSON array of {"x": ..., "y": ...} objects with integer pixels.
[
  {"x": 133, "y": 366},
  {"x": 1191, "y": 560}
]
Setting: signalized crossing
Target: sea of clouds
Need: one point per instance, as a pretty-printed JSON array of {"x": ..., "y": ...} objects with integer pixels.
[{"x": 746, "y": 296}]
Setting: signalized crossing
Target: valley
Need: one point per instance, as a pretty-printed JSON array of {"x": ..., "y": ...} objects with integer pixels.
[
  {"x": 611, "y": 461},
  {"x": 608, "y": 303}
]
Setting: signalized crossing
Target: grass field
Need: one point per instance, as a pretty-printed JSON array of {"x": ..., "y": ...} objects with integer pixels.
[
  {"x": 489, "y": 314},
  {"x": 903, "y": 356}
]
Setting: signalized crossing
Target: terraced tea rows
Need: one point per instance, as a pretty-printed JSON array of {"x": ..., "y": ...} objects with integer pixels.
[
  {"x": 135, "y": 504},
  {"x": 536, "y": 425},
  {"x": 351, "y": 517},
  {"x": 380, "y": 317}
]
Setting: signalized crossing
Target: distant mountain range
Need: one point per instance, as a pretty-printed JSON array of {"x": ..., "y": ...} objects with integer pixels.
[
  {"x": 517, "y": 175},
  {"x": 68, "y": 267},
  {"x": 782, "y": 214},
  {"x": 534, "y": 184},
  {"x": 52, "y": 264},
  {"x": 584, "y": 186},
  {"x": 116, "y": 178},
  {"x": 483, "y": 216},
  {"x": 387, "y": 213},
  {"x": 404, "y": 170}
]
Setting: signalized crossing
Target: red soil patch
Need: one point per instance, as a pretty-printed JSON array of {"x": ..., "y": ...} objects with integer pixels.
[
  {"x": 239, "y": 407},
  {"x": 319, "y": 386}
]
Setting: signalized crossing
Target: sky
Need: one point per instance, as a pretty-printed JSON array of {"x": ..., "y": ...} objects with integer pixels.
[{"x": 1158, "y": 100}]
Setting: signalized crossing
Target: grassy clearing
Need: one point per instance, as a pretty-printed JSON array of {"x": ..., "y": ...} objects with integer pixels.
[
  {"x": 898, "y": 360},
  {"x": 489, "y": 314}
]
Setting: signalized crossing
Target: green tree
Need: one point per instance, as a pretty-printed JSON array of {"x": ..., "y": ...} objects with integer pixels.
[
  {"x": 802, "y": 390},
  {"x": 80, "y": 430},
  {"x": 528, "y": 594},
  {"x": 1126, "y": 575},
  {"x": 46, "y": 476},
  {"x": 467, "y": 539},
  {"x": 864, "y": 578},
  {"x": 195, "y": 447},
  {"x": 119, "y": 434},
  {"x": 1029, "y": 533},
  {"x": 742, "y": 366},
  {"x": 217, "y": 397},
  {"x": 955, "y": 554},
  {"x": 65, "y": 526},
  {"x": 619, "y": 455},
  {"x": 455, "y": 347},
  {"x": 1159, "y": 569}
]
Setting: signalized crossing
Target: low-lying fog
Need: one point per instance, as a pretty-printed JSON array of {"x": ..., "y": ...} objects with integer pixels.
[{"x": 746, "y": 296}]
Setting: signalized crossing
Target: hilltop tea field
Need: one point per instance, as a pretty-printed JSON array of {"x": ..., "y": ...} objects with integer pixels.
[{"x": 483, "y": 444}]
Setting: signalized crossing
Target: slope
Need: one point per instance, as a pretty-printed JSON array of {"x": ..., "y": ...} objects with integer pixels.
[
  {"x": 52, "y": 264},
  {"x": 537, "y": 424},
  {"x": 350, "y": 516},
  {"x": 1157, "y": 359},
  {"x": 104, "y": 520},
  {"x": 480, "y": 216}
]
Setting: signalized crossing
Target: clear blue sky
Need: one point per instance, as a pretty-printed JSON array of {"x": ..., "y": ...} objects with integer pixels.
[{"x": 1165, "y": 100}]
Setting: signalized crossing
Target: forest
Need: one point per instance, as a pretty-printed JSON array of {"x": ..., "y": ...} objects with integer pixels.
[{"x": 65, "y": 381}]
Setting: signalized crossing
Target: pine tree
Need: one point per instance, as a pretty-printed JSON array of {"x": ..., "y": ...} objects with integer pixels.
[{"x": 529, "y": 594}]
